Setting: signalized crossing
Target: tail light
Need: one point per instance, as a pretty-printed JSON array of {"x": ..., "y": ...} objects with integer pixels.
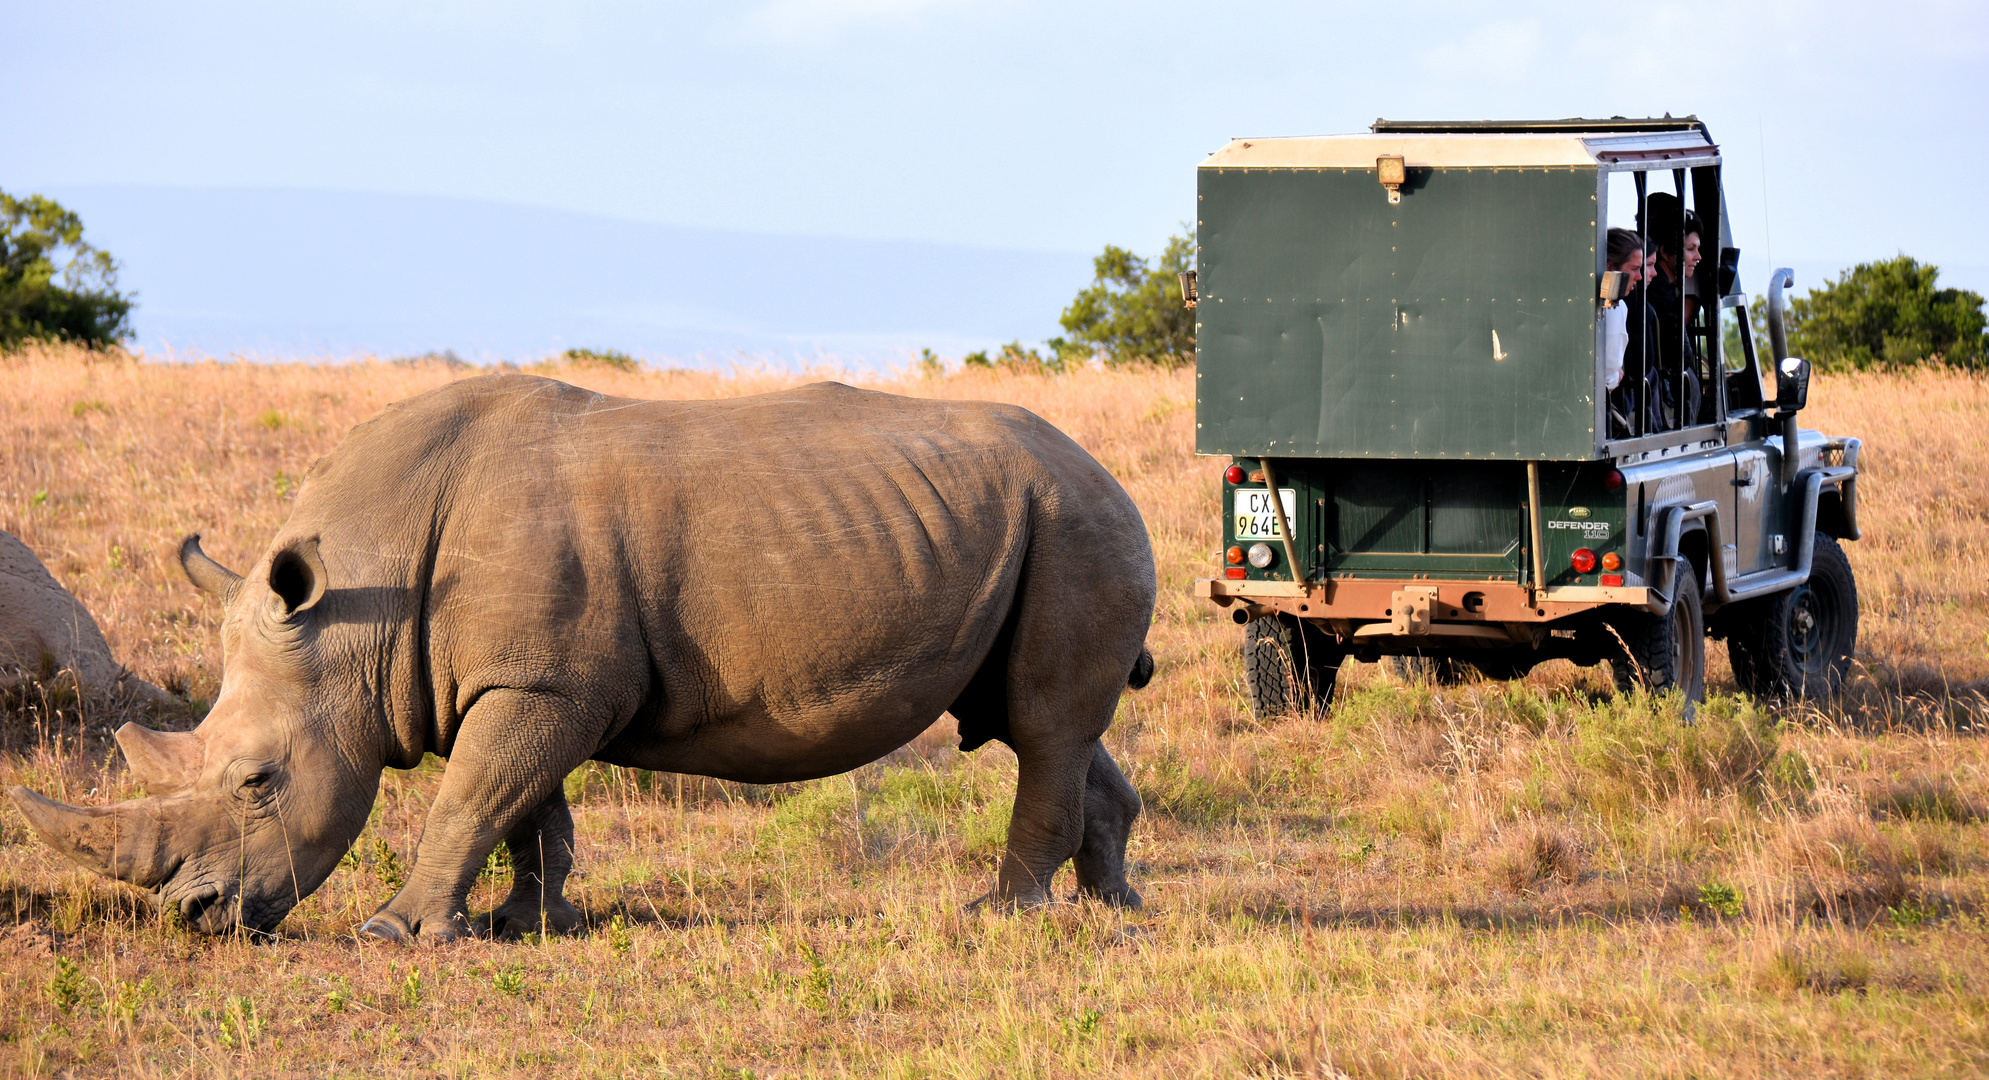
[
  {"x": 1583, "y": 560},
  {"x": 1611, "y": 561},
  {"x": 1233, "y": 474},
  {"x": 1614, "y": 481}
]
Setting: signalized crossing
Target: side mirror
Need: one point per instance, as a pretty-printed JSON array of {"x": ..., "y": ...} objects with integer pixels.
[
  {"x": 1615, "y": 284},
  {"x": 1188, "y": 297},
  {"x": 1791, "y": 385},
  {"x": 1729, "y": 270}
]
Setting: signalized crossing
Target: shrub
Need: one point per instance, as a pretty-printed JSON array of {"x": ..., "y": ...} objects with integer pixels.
[
  {"x": 1132, "y": 313},
  {"x": 1886, "y": 314},
  {"x": 600, "y": 358},
  {"x": 52, "y": 284},
  {"x": 1644, "y": 747}
]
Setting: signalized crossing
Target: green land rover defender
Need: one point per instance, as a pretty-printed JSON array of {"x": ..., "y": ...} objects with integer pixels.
[{"x": 1405, "y": 355}]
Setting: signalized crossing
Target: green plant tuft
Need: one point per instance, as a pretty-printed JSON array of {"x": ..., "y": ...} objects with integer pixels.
[
  {"x": 1721, "y": 898},
  {"x": 65, "y": 987}
]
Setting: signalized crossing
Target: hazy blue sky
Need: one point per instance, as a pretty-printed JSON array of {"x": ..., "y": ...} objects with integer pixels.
[{"x": 1024, "y": 125}]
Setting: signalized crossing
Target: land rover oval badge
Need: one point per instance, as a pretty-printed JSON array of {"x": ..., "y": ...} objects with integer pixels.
[{"x": 1579, "y": 513}]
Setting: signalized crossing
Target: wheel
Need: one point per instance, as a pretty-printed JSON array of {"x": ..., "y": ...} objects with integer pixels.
[
  {"x": 1440, "y": 670},
  {"x": 1667, "y": 653},
  {"x": 1288, "y": 667},
  {"x": 1799, "y": 643}
]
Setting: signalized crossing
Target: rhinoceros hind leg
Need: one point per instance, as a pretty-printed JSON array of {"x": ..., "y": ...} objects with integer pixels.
[
  {"x": 541, "y": 857},
  {"x": 1110, "y": 806},
  {"x": 1046, "y": 828}
]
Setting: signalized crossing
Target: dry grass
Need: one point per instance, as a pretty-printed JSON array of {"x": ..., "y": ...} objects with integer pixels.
[{"x": 1488, "y": 880}]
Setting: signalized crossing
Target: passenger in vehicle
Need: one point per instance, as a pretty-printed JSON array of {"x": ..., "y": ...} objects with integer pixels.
[
  {"x": 1641, "y": 395},
  {"x": 1625, "y": 254},
  {"x": 1675, "y": 231}
]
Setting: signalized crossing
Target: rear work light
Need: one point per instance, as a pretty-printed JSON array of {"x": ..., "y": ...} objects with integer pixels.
[
  {"x": 1611, "y": 561},
  {"x": 1234, "y": 555},
  {"x": 1261, "y": 556},
  {"x": 1233, "y": 474},
  {"x": 1583, "y": 560}
]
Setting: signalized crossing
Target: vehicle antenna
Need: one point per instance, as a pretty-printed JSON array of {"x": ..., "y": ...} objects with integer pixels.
[{"x": 1761, "y": 148}]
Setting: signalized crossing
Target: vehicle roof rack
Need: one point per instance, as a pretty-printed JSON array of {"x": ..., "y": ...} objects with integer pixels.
[{"x": 1516, "y": 127}]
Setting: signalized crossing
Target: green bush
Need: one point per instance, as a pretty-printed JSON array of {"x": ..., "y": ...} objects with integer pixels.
[
  {"x": 1013, "y": 357},
  {"x": 1132, "y": 313},
  {"x": 52, "y": 284},
  {"x": 1887, "y": 314},
  {"x": 1635, "y": 749},
  {"x": 600, "y": 358}
]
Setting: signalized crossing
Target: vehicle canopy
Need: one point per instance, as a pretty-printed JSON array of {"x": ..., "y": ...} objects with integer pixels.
[{"x": 1425, "y": 290}]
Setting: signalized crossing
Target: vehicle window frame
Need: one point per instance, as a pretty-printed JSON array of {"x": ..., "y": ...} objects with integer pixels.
[{"x": 1751, "y": 361}]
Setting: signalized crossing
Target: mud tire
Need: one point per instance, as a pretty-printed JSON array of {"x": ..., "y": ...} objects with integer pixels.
[
  {"x": 1799, "y": 643},
  {"x": 1663, "y": 653},
  {"x": 1289, "y": 667}
]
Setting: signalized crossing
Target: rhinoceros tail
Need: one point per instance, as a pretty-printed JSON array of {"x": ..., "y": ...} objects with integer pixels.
[{"x": 1142, "y": 670}]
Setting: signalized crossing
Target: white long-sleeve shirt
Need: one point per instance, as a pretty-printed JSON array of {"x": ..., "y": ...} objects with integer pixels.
[{"x": 1615, "y": 341}]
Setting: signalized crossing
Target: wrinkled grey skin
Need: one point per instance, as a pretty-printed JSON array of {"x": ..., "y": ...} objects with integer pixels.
[{"x": 519, "y": 575}]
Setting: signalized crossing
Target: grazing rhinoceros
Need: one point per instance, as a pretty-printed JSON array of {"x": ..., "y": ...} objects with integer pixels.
[{"x": 519, "y": 575}]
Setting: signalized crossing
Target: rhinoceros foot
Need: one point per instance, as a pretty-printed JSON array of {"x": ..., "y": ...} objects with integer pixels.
[
  {"x": 517, "y": 918},
  {"x": 1125, "y": 896},
  {"x": 1004, "y": 903},
  {"x": 387, "y": 925}
]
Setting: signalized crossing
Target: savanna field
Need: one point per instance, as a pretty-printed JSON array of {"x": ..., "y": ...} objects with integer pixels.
[{"x": 1526, "y": 879}]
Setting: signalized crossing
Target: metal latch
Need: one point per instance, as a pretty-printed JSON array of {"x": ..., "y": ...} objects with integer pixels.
[{"x": 1409, "y": 610}]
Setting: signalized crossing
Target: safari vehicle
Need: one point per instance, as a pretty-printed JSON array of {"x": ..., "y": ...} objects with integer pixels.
[{"x": 1401, "y": 352}]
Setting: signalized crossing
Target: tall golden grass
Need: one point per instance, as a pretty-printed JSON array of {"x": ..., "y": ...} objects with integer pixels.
[{"x": 1491, "y": 879}]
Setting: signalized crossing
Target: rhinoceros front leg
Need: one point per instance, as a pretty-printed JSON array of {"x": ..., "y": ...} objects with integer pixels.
[
  {"x": 541, "y": 857},
  {"x": 511, "y": 756}
]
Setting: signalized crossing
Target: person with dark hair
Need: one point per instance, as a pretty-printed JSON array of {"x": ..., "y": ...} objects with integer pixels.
[
  {"x": 1675, "y": 232},
  {"x": 1640, "y": 396}
]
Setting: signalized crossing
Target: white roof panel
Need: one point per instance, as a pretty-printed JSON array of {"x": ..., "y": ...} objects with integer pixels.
[{"x": 1463, "y": 150}]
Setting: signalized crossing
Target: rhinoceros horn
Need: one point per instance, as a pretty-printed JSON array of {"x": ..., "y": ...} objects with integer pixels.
[
  {"x": 125, "y": 841},
  {"x": 207, "y": 575},
  {"x": 161, "y": 760}
]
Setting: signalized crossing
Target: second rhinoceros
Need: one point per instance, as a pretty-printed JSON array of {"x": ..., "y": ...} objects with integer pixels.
[{"x": 520, "y": 575}]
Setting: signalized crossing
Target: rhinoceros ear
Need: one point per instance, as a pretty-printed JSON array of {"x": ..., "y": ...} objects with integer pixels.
[
  {"x": 207, "y": 575},
  {"x": 297, "y": 576},
  {"x": 161, "y": 760}
]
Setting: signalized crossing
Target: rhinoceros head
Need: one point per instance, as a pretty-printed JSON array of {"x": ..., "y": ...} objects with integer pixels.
[{"x": 250, "y": 812}]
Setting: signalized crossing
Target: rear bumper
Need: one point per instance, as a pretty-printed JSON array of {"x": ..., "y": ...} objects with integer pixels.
[{"x": 1491, "y": 612}]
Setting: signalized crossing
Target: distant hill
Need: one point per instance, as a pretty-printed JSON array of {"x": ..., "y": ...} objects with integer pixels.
[{"x": 321, "y": 273}]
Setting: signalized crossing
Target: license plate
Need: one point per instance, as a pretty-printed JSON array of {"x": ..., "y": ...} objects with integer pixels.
[{"x": 1254, "y": 517}]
